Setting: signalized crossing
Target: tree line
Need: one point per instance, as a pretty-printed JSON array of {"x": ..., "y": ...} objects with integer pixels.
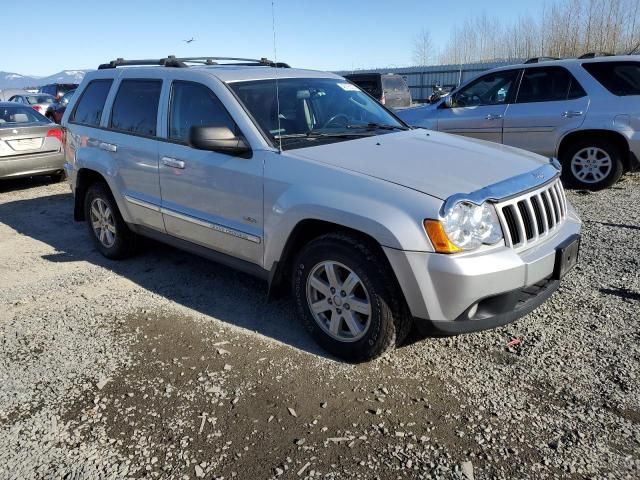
[{"x": 562, "y": 28}]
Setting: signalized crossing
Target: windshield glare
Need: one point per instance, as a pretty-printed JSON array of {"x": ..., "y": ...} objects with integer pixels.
[{"x": 312, "y": 106}]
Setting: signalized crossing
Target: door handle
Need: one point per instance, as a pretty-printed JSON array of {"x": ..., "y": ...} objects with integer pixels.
[
  {"x": 109, "y": 147},
  {"x": 493, "y": 117},
  {"x": 172, "y": 162},
  {"x": 572, "y": 113}
]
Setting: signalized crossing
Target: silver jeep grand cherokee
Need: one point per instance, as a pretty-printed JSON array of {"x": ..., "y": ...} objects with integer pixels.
[{"x": 301, "y": 178}]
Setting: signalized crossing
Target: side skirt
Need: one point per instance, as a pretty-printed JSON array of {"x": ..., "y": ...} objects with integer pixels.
[{"x": 223, "y": 258}]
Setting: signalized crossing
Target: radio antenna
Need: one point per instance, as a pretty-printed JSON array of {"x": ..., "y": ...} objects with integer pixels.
[{"x": 275, "y": 59}]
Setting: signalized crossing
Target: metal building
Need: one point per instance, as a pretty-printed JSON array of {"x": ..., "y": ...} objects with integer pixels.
[{"x": 421, "y": 80}]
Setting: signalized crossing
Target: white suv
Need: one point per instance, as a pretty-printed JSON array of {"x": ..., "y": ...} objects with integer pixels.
[{"x": 586, "y": 112}]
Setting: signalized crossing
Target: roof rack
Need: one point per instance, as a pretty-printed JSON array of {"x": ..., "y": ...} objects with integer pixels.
[
  {"x": 540, "y": 59},
  {"x": 595, "y": 54},
  {"x": 175, "y": 62}
]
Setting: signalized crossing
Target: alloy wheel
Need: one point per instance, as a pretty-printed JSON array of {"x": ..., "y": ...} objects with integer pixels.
[
  {"x": 591, "y": 165},
  {"x": 103, "y": 222},
  {"x": 339, "y": 301}
]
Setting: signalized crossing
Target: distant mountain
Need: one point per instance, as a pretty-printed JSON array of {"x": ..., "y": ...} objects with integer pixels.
[{"x": 15, "y": 80}]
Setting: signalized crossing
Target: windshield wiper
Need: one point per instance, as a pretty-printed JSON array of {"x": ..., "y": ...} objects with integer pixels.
[
  {"x": 312, "y": 134},
  {"x": 377, "y": 126}
]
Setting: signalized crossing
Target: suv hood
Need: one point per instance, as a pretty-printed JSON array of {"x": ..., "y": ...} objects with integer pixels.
[{"x": 434, "y": 163}]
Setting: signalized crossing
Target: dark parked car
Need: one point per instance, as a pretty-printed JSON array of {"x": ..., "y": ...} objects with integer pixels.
[
  {"x": 389, "y": 89},
  {"x": 58, "y": 89},
  {"x": 59, "y": 108}
]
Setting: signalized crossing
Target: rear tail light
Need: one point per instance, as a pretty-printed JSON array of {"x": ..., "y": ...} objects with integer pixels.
[
  {"x": 383, "y": 100},
  {"x": 37, "y": 108},
  {"x": 56, "y": 133}
]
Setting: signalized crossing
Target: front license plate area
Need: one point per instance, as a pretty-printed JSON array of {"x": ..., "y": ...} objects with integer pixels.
[{"x": 566, "y": 257}]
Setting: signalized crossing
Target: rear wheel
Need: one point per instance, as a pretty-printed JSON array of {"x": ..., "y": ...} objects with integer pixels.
[
  {"x": 592, "y": 164},
  {"x": 348, "y": 299},
  {"x": 106, "y": 226}
]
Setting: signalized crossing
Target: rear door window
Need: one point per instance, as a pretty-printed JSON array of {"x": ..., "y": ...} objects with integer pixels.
[
  {"x": 135, "y": 108},
  {"x": 394, "y": 83},
  {"x": 620, "y": 78},
  {"x": 193, "y": 104},
  {"x": 548, "y": 84},
  {"x": 91, "y": 104}
]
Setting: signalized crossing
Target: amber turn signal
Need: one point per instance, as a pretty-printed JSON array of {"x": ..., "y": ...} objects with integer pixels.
[{"x": 439, "y": 238}]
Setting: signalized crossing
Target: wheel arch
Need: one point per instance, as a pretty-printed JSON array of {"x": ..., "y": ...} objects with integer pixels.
[
  {"x": 304, "y": 232},
  {"x": 611, "y": 135},
  {"x": 84, "y": 179}
]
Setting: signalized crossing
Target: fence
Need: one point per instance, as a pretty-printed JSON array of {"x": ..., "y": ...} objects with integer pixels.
[{"x": 421, "y": 80}]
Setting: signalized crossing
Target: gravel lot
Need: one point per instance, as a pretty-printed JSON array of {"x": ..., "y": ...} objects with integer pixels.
[{"x": 168, "y": 366}]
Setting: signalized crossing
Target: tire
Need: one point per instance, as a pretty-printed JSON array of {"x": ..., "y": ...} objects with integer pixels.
[
  {"x": 117, "y": 241},
  {"x": 388, "y": 322},
  {"x": 602, "y": 156}
]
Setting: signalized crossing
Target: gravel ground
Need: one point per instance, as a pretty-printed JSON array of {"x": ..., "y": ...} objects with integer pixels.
[{"x": 168, "y": 366}]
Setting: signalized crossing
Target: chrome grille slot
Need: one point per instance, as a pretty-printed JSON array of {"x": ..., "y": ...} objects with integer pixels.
[{"x": 533, "y": 216}]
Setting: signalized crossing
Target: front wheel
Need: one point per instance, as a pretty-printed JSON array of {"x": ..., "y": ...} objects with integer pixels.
[
  {"x": 347, "y": 298},
  {"x": 106, "y": 226},
  {"x": 592, "y": 164}
]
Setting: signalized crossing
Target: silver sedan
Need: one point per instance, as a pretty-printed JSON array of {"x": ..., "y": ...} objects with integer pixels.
[{"x": 29, "y": 143}]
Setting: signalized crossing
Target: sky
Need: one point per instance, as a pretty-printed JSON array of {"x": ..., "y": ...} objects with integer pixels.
[{"x": 323, "y": 35}]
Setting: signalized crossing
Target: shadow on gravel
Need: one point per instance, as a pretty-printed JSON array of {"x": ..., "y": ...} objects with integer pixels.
[
  {"x": 191, "y": 281},
  {"x": 25, "y": 183},
  {"x": 622, "y": 293},
  {"x": 619, "y": 225}
]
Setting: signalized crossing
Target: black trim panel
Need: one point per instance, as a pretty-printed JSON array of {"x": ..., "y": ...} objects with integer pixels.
[{"x": 494, "y": 311}]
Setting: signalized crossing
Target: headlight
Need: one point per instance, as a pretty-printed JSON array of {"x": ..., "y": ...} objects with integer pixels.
[{"x": 465, "y": 227}]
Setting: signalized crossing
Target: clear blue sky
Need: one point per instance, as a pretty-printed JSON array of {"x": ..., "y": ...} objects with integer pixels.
[{"x": 326, "y": 35}]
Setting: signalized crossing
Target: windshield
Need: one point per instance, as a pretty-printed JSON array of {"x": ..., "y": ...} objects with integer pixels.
[
  {"x": 12, "y": 116},
  {"x": 35, "y": 99},
  {"x": 314, "y": 109}
]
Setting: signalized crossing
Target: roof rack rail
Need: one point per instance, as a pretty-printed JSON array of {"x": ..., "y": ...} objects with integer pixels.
[
  {"x": 540, "y": 59},
  {"x": 182, "y": 62},
  {"x": 595, "y": 54}
]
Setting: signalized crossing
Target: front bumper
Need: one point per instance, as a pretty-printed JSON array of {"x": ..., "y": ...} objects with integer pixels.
[
  {"x": 469, "y": 292},
  {"x": 30, "y": 165}
]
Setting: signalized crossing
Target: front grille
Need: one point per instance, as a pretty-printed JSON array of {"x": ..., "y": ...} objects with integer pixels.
[{"x": 529, "y": 218}]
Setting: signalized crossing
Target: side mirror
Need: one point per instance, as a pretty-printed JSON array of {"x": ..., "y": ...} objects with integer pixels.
[
  {"x": 218, "y": 139},
  {"x": 448, "y": 101}
]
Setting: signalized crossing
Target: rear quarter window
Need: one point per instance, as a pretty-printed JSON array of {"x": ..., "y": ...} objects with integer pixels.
[
  {"x": 620, "y": 78},
  {"x": 91, "y": 103},
  {"x": 135, "y": 108}
]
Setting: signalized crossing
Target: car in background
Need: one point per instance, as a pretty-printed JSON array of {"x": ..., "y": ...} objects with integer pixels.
[
  {"x": 389, "y": 89},
  {"x": 41, "y": 102},
  {"x": 30, "y": 144},
  {"x": 585, "y": 112},
  {"x": 58, "y": 110},
  {"x": 58, "y": 89},
  {"x": 7, "y": 93}
]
